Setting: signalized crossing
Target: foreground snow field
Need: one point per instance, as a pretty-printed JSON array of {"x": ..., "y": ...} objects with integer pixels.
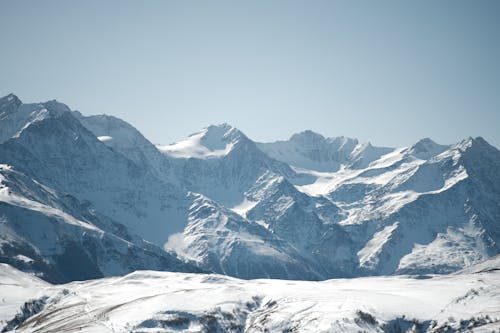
[{"x": 149, "y": 301}]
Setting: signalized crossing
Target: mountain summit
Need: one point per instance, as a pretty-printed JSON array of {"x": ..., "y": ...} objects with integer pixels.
[
  {"x": 211, "y": 142},
  {"x": 312, "y": 151}
]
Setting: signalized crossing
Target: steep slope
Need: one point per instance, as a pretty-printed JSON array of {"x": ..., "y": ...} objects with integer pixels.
[
  {"x": 469, "y": 229},
  {"x": 222, "y": 241},
  {"x": 307, "y": 223},
  {"x": 60, "y": 239},
  {"x": 163, "y": 302},
  {"x": 14, "y": 115}
]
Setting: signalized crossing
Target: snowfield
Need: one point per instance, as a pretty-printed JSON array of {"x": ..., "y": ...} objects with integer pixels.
[{"x": 149, "y": 301}]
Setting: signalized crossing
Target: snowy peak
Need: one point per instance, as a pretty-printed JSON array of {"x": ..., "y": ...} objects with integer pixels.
[
  {"x": 56, "y": 107},
  {"x": 425, "y": 144},
  {"x": 221, "y": 163},
  {"x": 475, "y": 144},
  {"x": 11, "y": 103},
  {"x": 426, "y": 148},
  {"x": 218, "y": 136},
  {"x": 16, "y": 117},
  {"x": 364, "y": 154},
  {"x": 309, "y": 138},
  {"x": 211, "y": 142},
  {"x": 472, "y": 150},
  {"x": 8, "y": 104},
  {"x": 482, "y": 162},
  {"x": 312, "y": 151},
  {"x": 115, "y": 133},
  {"x": 106, "y": 125}
]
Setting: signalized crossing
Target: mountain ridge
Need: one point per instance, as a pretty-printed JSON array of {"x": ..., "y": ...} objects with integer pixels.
[{"x": 309, "y": 207}]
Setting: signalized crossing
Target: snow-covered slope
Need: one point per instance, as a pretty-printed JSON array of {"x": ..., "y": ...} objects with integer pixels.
[
  {"x": 61, "y": 239},
  {"x": 14, "y": 115},
  {"x": 147, "y": 301},
  {"x": 213, "y": 141},
  {"x": 16, "y": 288},
  {"x": 222, "y": 241},
  {"x": 309, "y": 224}
]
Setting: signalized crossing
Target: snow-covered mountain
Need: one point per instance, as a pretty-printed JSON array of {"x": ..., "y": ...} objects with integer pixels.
[
  {"x": 222, "y": 163},
  {"x": 307, "y": 208},
  {"x": 310, "y": 150},
  {"x": 435, "y": 215},
  {"x": 149, "y": 301},
  {"x": 62, "y": 192},
  {"x": 220, "y": 240},
  {"x": 380, "y": 211}
]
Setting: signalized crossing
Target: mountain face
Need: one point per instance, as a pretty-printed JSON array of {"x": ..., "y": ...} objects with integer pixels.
[
  {"x": 62, "y": 193},
  {"x": 221, "y": 163},
  {"x": 125, "y": 139},
  {"x": 61, "y": 239},
  {"x": 94, "y": 188}
]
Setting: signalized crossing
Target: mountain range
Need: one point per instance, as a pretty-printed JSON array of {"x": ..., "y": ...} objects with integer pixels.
[{"x": 84, "y": 197}]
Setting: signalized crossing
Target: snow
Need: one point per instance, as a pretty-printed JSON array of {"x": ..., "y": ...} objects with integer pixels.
[
  {"x": 20, "y": 201},
  {"x": 456, "y": 248},
  {"x": 199, "y": 145},
  {"x": 373, "y": 247},
  {"x": 426, "y": 148},
  {"x": 14, "y": 122},
  {"x": 104, "y": 138},
  {"x": 310, "y": 150},
  {"x": 324, "y": 182},
  {"x": 165, "y": 302},
  {"x": 16, "y": 288},
  {"x": 243, "y": 207},
  {"x": 23, "y": 258}
]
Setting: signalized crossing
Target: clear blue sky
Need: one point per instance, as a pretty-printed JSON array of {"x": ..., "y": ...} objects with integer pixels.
[{"x": 390, "y": 72}]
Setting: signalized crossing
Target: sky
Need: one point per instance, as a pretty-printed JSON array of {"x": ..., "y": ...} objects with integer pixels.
[{"x": 389, "y": 72}]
